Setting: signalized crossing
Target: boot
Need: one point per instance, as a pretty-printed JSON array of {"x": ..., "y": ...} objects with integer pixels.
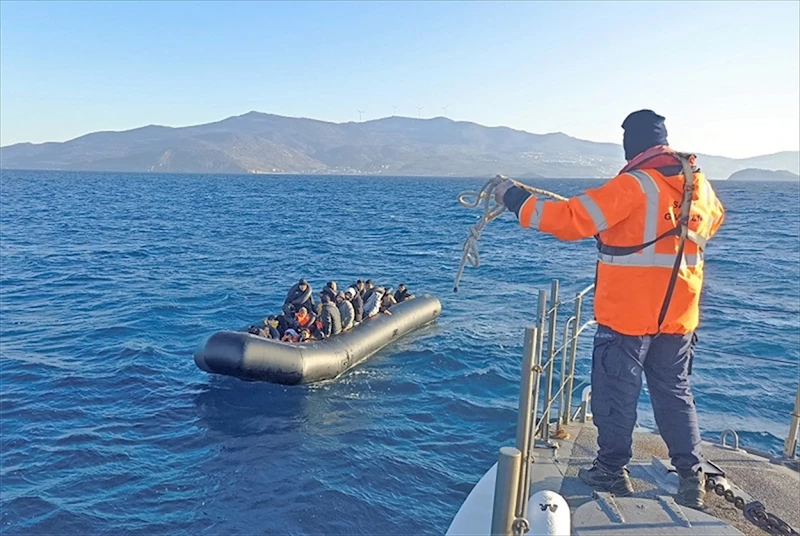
[
  {"x": 691, "y": 488},
  {"x": 599, "y": 477}
]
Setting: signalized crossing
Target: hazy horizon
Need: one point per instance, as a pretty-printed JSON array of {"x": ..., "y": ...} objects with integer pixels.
[{"x": 726, "y": 75}]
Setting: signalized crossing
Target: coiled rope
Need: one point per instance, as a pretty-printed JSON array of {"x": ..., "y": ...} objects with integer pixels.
[{"x": 491, "y": 210}]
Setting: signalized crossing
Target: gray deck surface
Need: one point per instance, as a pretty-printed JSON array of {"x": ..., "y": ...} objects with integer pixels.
[{"x": 777, "y": 487}]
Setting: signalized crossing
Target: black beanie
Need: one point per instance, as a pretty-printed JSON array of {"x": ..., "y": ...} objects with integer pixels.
[{"x": 643, "y": 129}]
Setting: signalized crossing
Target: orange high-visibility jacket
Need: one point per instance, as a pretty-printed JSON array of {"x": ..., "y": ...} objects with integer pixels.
[{"x": 634, "y": 208}]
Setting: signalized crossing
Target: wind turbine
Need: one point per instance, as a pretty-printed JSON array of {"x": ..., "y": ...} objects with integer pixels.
[
  {"x": 419, "y": 111},
  {"x": 394, "y": 110},
  {"x": 445, "y": 110},
  {"x": 359, "y": 115}
]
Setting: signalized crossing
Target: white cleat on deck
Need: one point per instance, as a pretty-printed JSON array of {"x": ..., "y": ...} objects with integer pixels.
[{"x": 548, "y": 514}]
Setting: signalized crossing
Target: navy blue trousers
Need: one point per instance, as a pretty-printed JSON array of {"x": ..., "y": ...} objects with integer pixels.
[{"x": 617, "y": 364}]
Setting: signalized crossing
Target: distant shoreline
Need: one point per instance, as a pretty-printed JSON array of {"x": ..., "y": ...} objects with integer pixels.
[
  {"x": 764, "y": 175},
  {"x": 365, "y": 175}
]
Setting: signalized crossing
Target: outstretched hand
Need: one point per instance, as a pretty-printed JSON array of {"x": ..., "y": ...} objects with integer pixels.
[{"x": 501, "y": 189}]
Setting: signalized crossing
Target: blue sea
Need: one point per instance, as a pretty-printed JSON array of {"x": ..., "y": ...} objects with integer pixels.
[{"x": 110, "y": 281}]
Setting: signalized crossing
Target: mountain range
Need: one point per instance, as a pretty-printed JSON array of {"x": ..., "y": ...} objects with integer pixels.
[{"x": 264, "y": 143}]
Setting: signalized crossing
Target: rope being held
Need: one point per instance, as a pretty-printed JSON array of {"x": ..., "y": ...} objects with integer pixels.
[{"x": 491, "y": 210}]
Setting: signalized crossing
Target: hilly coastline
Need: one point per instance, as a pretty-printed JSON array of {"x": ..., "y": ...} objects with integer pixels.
[
  {"x": 264, "y": 143},
  {"x": 764, "y": 175}
]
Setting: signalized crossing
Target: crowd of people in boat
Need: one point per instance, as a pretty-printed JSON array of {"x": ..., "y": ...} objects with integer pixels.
[{"x": 337, "y": 311}]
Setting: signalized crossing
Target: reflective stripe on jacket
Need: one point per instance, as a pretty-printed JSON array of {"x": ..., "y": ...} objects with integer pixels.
[{"x": 632, "y": 209}]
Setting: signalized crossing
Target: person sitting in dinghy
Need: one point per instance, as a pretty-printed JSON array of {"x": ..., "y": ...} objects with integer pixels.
[
  {"x": 388, "y": 300},
  {"x": 285, "y": 319},
  {"x": 300, "y": 295},
  {"x": 402, "y": 294},
  {"x": 255, "y": 330},
  {"x": 373, "y": 305},
  {"x": 330, "y": 321},
  {"x": 290, "y": 336},
  {"x": 271, "y": 327},
  {"x": 369, "y": 289},
  {"x": 346, "y": 310},
  {"x": 359, "y": 287},
  {"x": 266, "y": 330},
  {"x": 304, "y": 319},
  {"x": 354, "y": 296},
  {"x": 306, "y": 336},
  {"x": 331, "y": 288}
]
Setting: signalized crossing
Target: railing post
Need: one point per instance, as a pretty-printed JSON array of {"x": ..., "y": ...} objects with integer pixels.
[
  {"x": 790, "y": 445},
  {"x": 535, "y": 337},
  {"x": 528, "y": 394},
  {"x": 542, "y": 315},
  {"x": 526, "y": 389},
  {"x": 551, "y": 346},
  {"x": 573, "y": 355},
  {"x": 562, "y": 419},
  {"x": 506, "y": 489}
]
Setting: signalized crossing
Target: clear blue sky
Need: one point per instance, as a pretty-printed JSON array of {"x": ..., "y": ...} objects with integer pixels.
[{"x": 726, "y": 75}]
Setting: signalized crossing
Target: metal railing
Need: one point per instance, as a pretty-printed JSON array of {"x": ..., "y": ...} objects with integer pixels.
[
  {"x": 512, "y": 486},
  {"x": 568, "y": 350},
  {"x": 513, "y": 480}
]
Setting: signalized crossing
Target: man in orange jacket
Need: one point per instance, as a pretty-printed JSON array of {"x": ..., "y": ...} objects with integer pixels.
[{"x": 652, "y": 226}]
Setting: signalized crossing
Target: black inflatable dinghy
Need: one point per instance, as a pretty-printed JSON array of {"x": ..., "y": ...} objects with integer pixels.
[{"x": 251, "y": 357}]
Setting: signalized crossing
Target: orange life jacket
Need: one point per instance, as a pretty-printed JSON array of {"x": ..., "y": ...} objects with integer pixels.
[
  {"x": 303, "y": 320},
  {"x": 636, "y": 217}
]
